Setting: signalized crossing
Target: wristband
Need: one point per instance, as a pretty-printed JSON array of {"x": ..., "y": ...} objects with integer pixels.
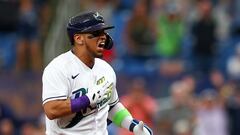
[
  {"x": 80, "y": 103},
  {"x": 133, "y": 124}
]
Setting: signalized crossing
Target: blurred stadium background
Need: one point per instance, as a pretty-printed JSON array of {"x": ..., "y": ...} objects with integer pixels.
[{"x": 177, "y": 61}]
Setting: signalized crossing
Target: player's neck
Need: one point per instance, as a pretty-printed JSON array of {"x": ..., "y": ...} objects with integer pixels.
[{"x": 88, "y": 61}]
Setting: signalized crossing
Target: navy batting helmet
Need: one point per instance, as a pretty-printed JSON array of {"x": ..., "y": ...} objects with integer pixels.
[{"x": 88, "y": 23}]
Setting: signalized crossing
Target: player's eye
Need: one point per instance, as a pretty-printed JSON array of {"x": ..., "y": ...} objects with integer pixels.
[{"x": 96, "y": 34}]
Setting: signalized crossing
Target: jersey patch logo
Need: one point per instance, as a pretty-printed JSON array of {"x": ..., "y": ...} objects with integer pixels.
[
  {"x": 101, "y": 80},
  {"x": 73, "y": 77}
]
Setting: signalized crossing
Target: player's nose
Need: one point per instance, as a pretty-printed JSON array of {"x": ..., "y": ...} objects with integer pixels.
[{"x": 103, "y": 36}]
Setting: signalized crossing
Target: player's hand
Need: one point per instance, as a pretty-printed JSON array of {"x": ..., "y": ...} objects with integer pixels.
[
  {"x": 141, "y": 129},
  {"x": 97, "y": 93}
]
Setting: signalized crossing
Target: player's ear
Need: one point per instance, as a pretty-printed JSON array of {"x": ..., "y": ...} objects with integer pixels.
[{"x": 78, "y": 38}]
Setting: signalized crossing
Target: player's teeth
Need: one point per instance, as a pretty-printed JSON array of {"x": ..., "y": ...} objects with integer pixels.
[{"x": 101, "y": 44}]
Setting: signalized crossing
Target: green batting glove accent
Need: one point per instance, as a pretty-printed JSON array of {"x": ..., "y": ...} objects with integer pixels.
[{"x": 120, "y": 116}]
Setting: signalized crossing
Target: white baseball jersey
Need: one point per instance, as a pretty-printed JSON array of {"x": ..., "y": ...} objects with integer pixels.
[{"x": 68, "y": 77}]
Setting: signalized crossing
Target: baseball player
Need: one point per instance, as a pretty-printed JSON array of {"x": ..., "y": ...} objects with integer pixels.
[{"x": 79, "y": 88}]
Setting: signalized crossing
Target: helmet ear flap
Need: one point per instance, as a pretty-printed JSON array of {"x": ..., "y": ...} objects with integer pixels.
[{"x": 108, "y": 42}]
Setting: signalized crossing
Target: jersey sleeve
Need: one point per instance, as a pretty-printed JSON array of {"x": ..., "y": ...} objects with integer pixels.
[
  {"x": 55, "y": 85},
  {"x": 114, "y": 98}
]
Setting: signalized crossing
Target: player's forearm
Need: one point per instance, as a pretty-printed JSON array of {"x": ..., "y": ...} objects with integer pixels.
[
  {"x": 57, "y": 108},
  {"x": 120, "y": 116}
]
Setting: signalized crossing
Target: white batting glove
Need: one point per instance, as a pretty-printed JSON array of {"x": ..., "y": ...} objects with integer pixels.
[
  {"x": 97, "y": 93},
  {"x": 141, "y": 129}
]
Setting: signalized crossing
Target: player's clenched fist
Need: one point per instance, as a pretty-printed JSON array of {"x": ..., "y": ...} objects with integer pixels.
[{"x": 97, "y": 93}]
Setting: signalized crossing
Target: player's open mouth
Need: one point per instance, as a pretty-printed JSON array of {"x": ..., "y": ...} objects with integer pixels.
[{"x": 101, "y": 45}]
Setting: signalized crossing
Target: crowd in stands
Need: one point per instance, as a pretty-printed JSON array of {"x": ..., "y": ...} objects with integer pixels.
[{"x": 179, "y": 59}]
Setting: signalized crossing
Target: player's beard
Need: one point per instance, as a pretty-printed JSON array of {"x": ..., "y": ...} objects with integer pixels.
[{"x": 94, "y": 51}]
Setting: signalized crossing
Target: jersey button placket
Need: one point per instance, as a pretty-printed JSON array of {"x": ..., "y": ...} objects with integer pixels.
[{"x": 94, "y": 78}]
